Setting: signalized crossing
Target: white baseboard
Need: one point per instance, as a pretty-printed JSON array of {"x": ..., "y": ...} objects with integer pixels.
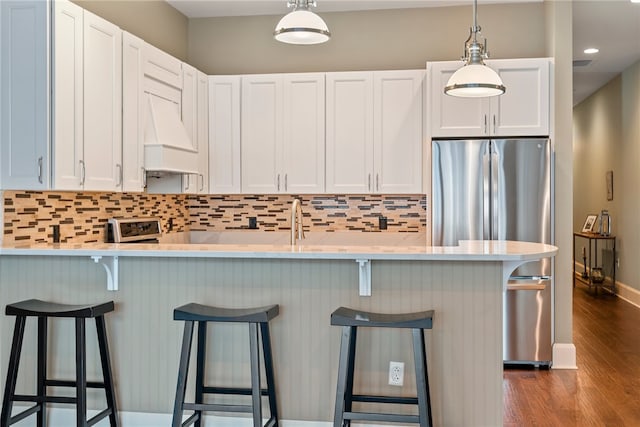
[
  {"x": 564, "y": 356},
  {"x": 629, "y": 294}
]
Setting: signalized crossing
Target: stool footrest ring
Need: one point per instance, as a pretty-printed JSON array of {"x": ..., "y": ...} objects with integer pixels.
[
  {"x": 385, "y": 399},
  {"x": 232, "y": 390},
  {"x": 368, "y": 416},
  {"x": 216, "y": 407}
]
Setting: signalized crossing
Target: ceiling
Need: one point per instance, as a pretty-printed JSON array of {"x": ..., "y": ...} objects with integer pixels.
[{"x": 613, "y": 26}]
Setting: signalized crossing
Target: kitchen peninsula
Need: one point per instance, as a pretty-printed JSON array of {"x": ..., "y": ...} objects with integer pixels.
[{"x": 463, "y": 284}]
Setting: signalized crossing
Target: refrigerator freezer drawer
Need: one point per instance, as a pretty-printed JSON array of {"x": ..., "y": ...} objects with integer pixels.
[{"x": 527, "y": 323}]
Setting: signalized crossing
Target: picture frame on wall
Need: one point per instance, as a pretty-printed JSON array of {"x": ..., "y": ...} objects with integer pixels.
[
  {"x": 609, "y": 185},
  {"x": 589, "y": 223}
]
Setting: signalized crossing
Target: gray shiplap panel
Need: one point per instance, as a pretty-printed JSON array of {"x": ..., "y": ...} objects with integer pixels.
[{"x": 464, "y": 347}]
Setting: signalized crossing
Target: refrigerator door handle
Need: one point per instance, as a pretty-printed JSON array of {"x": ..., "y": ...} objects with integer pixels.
[
  {"x": 486, "y": 196},
  {"x": 495, "y": 184},
  {"x": 526, "y": 287},
  {"x": 528, "y": 278}
]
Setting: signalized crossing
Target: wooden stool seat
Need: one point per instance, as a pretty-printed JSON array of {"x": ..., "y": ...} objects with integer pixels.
[
  {"x": 37, "y": 308},
  {"x": 257, "y": 319},
  {"x": 350, "y": 320},
  {"x": 207, "y": 313},
  {"x": 43, "y": 310}
]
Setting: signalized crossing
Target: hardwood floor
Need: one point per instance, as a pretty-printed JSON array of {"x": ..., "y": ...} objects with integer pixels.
[{"x": 604, "y": 391}]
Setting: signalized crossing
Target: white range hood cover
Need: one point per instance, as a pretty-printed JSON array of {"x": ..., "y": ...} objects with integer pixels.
[{"x": 167, "y": 146}]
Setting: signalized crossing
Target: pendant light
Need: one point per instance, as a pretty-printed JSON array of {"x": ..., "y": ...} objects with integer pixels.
[
  {"x": 301, "y": 26},
  {"x": 475, "y": 79}
]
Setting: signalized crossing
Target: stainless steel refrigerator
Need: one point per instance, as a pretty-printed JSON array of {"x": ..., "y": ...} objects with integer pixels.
[{"x": 500, "y": 189}]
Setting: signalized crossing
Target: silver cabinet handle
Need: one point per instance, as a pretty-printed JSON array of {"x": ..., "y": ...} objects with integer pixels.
[
  {"x": 485, "y": 124},
  {"x": 40, "y": 170},
  {"x": 369, "y": 182},
  {"x": 377, "y": 182},
  {"x": 278, "y": 183},
  {"x": 82, "y": 172},
  {"x": 286, "y": 182},
  {"x": 120, "y": 177},
  {"x": 188, "y": 176},
  {"x": 144, "y": 177},
  {"x": 494, "y": 124},
  {"x": 202, "y": 185}
]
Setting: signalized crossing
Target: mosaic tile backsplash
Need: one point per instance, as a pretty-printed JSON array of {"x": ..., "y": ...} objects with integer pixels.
[{"x": 28, "y": 216}]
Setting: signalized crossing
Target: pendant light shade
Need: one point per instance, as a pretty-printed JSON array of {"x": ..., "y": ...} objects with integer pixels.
[
  {"x": 474, "y": 79},
  {"x": 301, "y": 26}
]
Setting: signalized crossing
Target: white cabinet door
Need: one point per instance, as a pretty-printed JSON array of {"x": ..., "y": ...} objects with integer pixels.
[
  {"x": 453, "y": 116},
  {"x": 303, "y": 137},
  {"x": 202, "y": 132},
  {"x": 523, "y": 110},
  {"x": 190, "y": 119},
  {"x": 132, "y": 102},
  {"x": 224, "y": 134},
  {"x": 349, "y": 128},
  {"x": 24, "y": 95},
  {"x": 68, "y": 98},
  {"x": 261, "y": 134},
  {"x": 102, "y": 104},
  {"x": 397, "y": 136}
]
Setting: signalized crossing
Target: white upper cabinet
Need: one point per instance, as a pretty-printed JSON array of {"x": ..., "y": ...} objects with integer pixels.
[
  {"x": 202, "y": 133},
  {"x": 68, "y": 97},
  {"x": 190, "y": 119},
  {"x": 303, "y": 133},
  {"x": 24, "y": 95},
  {"x": 224, "y": 134},
  {"x": 374, "y": 132},
  {"x": 523, "y": 110},
  {"x": 397, "y": 133},
  {"x": 102, "y": 104},
  {"x": 195, "y": 119},
  {"x": 132, "y": 102},
  {"x": 349, "y": 132},
  {"x": 282, "y": 135},
  {"x": 87, "y": 116}
]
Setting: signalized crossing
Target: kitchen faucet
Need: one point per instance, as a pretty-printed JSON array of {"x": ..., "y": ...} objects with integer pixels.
[{"x": 296, "y": 221}]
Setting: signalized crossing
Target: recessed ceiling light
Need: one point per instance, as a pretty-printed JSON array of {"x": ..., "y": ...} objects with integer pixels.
[
  {"x": 593, "y": 50},
  {"x": 635, "y": 1}
]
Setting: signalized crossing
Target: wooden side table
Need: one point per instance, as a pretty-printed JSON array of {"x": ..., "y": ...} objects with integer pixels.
[{"x": 592, "y": 262}]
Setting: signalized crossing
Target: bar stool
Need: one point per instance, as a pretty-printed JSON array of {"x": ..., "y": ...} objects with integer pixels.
[
  {"x": 202, "y": 314},
  {"x": 350, "y": 320},
  {"x": 43, "y": 310}
]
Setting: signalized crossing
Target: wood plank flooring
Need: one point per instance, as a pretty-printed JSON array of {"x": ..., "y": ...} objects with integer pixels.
[{"x": 604, "y": 391}]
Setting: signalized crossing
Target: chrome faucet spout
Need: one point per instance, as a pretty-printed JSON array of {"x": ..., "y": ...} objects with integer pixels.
[{"x": 297, "y": 231}]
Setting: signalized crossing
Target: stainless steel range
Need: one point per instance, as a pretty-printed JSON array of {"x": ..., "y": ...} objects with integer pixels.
[{"x": 133, "y": 230}]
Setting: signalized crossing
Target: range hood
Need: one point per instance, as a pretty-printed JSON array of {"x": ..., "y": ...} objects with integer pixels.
[{"x": 167, "y": 146}]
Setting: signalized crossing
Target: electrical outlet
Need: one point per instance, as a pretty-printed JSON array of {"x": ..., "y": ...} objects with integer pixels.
[{"x": 396, "y": 373}]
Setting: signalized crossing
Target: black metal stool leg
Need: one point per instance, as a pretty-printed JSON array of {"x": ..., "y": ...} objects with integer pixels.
[
  {"x": 268, "y": 367},
  {"x": 422, "y": 378},
  {"x": 183, "y": 373},
  {"x": 41, "y": 417},
  {"x": 343, "y": 373},
  {"x": 256, "y": 393},
  {"x": 348, "y": 395},
  {"x": 12, "y": 372},
  {"x": 202, "y": 351},
  {"x": 81, "y": 374},
  {"x": 107, "y": 374}
]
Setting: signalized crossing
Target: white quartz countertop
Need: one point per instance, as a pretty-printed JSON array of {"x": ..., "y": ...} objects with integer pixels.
[{"x": 466, "y": 251}]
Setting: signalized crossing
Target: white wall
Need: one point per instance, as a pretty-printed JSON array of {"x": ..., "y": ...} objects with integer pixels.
[
  {"x": 607, "y": 137},
  {"x": 368, "y": 40}
]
